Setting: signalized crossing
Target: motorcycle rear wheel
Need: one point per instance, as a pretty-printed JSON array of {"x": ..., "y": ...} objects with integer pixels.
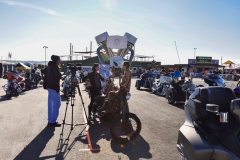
[
  {"x": 171, "y": 98},
  {"x": 127, "y": 132}
]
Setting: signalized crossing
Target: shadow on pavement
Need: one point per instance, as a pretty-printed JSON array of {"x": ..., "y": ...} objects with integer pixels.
[
  {"x": 179, "y": 105},
  {"x": 37, "y": 145},
  {"x": 99, "y": 130},
  {"x": 139, "y": 148}
]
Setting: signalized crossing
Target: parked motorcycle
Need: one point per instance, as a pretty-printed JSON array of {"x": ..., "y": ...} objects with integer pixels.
[
  {"x": 214, "y": 80},
  {"x": 146, "y": 80},
  {"x": 125, "y": 126},
  {"x": 180, "y": 91},
  {"x": 14, "y": 84},
  {"x": 27, "y": 81},
  {"x": 161, "y": 86},
  {"x": 212, "y": 126},
  {"x": 66, "y": 85}
]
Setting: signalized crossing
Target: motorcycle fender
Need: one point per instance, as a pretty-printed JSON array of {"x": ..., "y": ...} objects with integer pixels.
[{"x": 193, "y": 145}]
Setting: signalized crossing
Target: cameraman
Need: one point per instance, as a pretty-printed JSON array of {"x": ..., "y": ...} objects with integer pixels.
[
  {"x": 95, "y": 88},
  {"x": 53, "y": 86}
]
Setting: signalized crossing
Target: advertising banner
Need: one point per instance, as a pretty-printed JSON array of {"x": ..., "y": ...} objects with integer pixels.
[{"x": 203, "y": 60}]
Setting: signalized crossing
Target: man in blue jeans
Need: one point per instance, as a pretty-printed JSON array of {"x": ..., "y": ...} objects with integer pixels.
[{"x": 53, "y": 87}]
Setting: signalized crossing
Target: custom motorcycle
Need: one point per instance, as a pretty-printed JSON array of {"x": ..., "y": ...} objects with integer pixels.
[
  {"x": 214, "y": 80},
  {"x": 212, "y": 126},
  {"x": 14, "y": 84},
  {"x": 125, "y": 126},
  {"x": 161, "y": 86}
]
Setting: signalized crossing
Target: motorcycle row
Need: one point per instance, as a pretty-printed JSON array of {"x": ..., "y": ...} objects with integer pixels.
[
  {"x": 212, "y": 116},
  {"x": 16, "y": 83}
]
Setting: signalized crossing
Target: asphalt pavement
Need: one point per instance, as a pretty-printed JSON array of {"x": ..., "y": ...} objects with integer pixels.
[{"x": 24, "y": 133}]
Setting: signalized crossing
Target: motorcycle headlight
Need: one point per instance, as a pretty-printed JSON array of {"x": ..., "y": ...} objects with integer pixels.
[{"x": 128, "y": 96}]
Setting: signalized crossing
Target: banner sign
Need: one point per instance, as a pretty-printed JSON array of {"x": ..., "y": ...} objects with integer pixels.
[
  {"x": 194, "y": 61},
  {"x": 203, "y": 60}
]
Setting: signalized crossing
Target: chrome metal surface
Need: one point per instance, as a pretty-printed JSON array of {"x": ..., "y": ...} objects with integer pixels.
[{"x": 223, "y": 117}]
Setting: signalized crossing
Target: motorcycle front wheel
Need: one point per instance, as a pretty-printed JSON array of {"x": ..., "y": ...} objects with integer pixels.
[
  {"x": 9, "y": 92},
  {"x": 123, "y": 133}
]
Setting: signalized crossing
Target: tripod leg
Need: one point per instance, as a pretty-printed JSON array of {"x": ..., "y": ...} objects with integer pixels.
[
  {"x": 65, "y": 113},
  {"x": 79, "y": 92},
  {"x": 72, "y": 104}
]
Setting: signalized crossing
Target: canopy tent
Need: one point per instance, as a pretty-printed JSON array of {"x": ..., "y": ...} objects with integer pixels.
[
  {"x": 228, "y": 62},
  {"x": 22, "y": 66},
  {"x": 28, "y": 64}
]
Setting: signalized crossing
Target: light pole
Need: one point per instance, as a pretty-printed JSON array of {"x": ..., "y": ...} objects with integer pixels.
[
  {"x": 45, "y": 54},
  {"x": 194, "y": 52}
]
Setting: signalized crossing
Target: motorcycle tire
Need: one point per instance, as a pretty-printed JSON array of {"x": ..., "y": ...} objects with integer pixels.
[
  {"x": 171, "y": 98},
  {"x": 117, "y": 120},
  {"x": 137, "y": 86},
  {"x": 10, "y": 94}
]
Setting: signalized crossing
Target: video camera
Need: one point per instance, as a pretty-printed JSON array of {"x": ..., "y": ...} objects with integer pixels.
[{"x": 74, "y": 67}]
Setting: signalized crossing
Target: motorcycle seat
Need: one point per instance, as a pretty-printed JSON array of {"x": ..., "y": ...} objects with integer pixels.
[
  {"x": 218, "y": 95},
  {"x": 235, "y": 108}
]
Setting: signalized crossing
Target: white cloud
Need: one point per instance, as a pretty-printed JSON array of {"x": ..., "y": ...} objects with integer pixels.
[{"x": 45, "y": 10}]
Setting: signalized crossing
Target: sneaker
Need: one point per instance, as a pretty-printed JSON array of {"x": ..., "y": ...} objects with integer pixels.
[{"x": 56, "y": 124}]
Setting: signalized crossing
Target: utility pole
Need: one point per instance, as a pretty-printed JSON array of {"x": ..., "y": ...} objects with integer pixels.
[
  {"x": 194, "y": 52},
  {"x": 90, "y": 48},
  {"x": 70, "y": 51},
  {"x": 45, "y": 54}
]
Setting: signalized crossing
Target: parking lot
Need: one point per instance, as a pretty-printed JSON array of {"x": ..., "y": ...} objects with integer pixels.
[{"x": 24, "y": 133}]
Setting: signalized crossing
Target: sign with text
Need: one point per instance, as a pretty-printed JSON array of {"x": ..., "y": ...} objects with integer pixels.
[{"x": 203, "y": 60}]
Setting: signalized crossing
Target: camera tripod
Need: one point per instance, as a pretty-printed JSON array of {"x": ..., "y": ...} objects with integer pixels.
[{"x": 70, "y": 97}]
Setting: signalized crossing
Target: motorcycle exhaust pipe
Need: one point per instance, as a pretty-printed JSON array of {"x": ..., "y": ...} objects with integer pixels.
[{"x": 223, "y": 117}]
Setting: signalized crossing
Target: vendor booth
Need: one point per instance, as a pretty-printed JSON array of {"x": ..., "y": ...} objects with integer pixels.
[{"x": 22, "y": 66}]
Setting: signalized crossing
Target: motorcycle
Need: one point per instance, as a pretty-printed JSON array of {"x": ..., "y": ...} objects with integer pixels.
[
  {"x": 35, "y": 79},
  {"x": 211, "y": 129},
  {"x": 66, "y": 85},
  {"x": 114, "y": 107},
  {"x": 14, "y": 84},
  {"x": 214, "y": 80},
  {"x": 27, "y": 81},
  {"x": 180, "y": 91},
  {"x": 161, "y": 86},
  {"x": 146, "y": 80}
]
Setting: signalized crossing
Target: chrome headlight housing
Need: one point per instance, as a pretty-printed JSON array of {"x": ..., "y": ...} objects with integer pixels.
[{"x": 128, "y": 96}]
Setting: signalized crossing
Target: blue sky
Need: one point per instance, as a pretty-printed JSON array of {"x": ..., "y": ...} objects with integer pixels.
[{"x": 211, "y": 26}]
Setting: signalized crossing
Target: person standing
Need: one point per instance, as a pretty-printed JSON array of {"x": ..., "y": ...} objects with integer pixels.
[
  {"x": 183, "y": 74},
  {"x": 177, "y": 74},
  {"x": 53, "y": 87},
  {"x": 127, "y": 76},
  {"x": 95, "y": 87}
]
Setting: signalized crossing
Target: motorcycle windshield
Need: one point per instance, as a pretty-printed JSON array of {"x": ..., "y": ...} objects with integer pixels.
[{"x": 218, "y": 81}]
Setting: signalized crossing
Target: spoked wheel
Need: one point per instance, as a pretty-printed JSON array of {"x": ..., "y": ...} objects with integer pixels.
[
  {"x": 171, "y": 98},
  {"x": 123, "y": 133}
]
